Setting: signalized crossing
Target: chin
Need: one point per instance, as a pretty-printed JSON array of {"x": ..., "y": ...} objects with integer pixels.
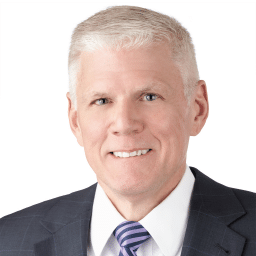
[
  {"x": 131, "y": 187},
  {"x": 127, "y": 182}
]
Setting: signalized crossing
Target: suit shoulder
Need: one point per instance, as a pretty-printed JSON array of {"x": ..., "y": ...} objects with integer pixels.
[
  {"x": 34, "y": 210},
  {"x": 40, "y": 209},
  {"x": 25, "y": 224},
  {"x": 247, "y": 199},
  {"x": 24, "y": 227}
]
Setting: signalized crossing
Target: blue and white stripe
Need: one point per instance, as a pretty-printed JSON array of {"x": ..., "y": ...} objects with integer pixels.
[{"x": 130, "y": 236}]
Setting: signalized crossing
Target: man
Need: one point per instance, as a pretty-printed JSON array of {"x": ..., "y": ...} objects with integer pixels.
[{"x": 135, "y": 99}]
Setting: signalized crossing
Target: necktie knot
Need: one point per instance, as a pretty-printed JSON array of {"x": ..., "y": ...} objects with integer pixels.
[{"x": 130, "y": 236}]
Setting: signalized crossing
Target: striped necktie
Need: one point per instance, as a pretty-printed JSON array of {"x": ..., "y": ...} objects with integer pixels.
[{"x": 130, "y": 236}]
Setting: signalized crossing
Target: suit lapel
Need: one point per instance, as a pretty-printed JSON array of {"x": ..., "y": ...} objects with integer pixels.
[
  {"x": 68, "y": 224},
  {"x": 212, "y": 208}
]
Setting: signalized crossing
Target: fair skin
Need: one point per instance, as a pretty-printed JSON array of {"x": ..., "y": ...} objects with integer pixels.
[{"x": 127, "y": 115}]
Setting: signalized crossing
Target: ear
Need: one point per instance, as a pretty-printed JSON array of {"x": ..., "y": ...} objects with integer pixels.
[
  {"x": 200, "y": 108},
  {"x": 73, "y": 121}
]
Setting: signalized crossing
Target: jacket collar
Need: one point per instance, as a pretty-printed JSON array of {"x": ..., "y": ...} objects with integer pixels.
[
  {"x": 212, "y": 208},
  {"x": 68, "y": 225}
]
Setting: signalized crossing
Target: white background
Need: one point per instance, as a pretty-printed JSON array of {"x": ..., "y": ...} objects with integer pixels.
[{"x": 39, "y": 156}]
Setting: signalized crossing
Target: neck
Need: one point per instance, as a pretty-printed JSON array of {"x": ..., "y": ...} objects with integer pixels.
[{"x": 136, "y": 207}]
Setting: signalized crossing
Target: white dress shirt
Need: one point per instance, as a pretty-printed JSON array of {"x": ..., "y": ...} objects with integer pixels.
[{"x": 166, "y": 223}]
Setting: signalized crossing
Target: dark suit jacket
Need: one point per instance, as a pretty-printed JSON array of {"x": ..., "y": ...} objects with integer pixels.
[{"x": 222, "y": 221}]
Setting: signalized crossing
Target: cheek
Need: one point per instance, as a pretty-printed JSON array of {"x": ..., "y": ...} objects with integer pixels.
[
  {"x": 92, "y": 129},
  {"x": 170, "y": 128},
  {"x": 167, "y": 122}
]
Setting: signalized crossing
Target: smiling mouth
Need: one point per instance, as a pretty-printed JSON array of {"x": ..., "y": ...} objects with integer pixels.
[{"x": 132, "y": 154}]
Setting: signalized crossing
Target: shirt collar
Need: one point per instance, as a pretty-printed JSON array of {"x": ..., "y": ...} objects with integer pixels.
[
  {"x": 104, "y": 214},
  {"x": 167, "y": 222},
  {"x": 167, "y": 233}
]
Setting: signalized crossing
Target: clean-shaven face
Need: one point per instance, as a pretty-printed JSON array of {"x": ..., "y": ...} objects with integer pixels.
[{"x": 131, "y": 103}]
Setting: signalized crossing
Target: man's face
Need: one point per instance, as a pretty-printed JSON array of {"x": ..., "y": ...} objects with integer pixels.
[{"x": 129, "y": 101}]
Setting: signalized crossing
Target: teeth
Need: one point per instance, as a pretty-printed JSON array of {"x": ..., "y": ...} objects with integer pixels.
[
  {"x": 134, "y": 153},
  {"x": 125, "y": 154}
]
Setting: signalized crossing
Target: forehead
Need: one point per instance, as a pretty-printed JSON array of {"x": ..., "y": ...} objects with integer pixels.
[{"x": 145, "y": 66}]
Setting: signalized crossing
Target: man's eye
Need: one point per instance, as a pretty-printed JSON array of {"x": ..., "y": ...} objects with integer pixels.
[
  {"x": 101, "y": 101},
  {"x": 150, "y": 96},
  {"x": 147, "y": 97}
]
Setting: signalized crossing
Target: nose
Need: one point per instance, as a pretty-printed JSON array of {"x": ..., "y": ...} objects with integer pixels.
[{"x": 127, "y": 119}]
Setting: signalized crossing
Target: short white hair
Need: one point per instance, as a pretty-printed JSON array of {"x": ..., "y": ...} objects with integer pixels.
[{"x": 129, "y": 27}]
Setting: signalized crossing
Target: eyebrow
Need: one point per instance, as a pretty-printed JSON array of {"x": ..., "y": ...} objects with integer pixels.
[{"x": 148, "y": 88}]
